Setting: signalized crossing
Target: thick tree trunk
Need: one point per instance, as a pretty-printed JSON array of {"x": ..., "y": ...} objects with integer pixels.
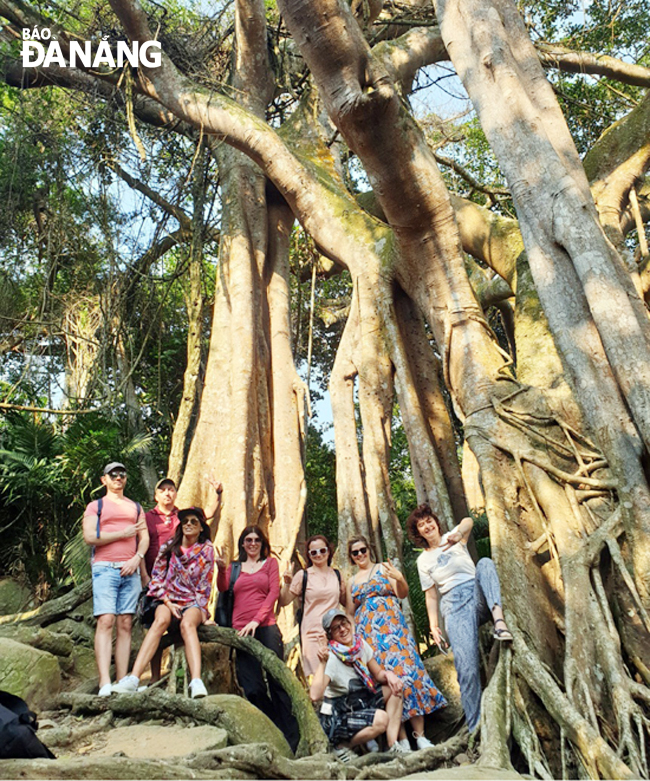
[
  {"x": 525, "y": 452},
  {"x": 595, "y": 314},
  {"x": 194, "y": 304}
]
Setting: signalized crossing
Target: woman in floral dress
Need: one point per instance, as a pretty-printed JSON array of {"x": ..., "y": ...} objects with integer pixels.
[{"x": 374, "y": 595}]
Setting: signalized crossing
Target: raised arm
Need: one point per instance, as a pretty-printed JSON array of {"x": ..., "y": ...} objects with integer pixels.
[
  {"x": 286, "y": 595},
  {"x": 460, "y": 533},
  {"x": 213, "y": 510},
  {"x": 396, "y": 579},
  {"x": 320, "y": 681}
]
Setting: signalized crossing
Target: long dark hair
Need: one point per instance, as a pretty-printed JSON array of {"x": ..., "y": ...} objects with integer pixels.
[
  {"x": 174, "y": 545},
  {"x": 328, "y": 545},
  {"x": 265, "y": 551}
]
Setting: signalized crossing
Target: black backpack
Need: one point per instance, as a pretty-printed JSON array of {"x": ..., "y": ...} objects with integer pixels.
[
  {"x": 226, "y": 600},
  {"x": 18, "y": 730}
]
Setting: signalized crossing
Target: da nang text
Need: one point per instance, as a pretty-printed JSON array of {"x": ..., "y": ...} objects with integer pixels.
[{"x": 41, "y": 50}]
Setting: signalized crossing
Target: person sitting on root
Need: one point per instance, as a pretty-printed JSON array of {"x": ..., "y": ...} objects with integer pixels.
[
  {"x": 354, "y": 709},
  {"x": 470, "y": 594},
  {"x": 180, "y": 585}
]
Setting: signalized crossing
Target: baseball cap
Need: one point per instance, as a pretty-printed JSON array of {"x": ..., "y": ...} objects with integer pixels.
[
  {"x": 162, "y": 482},
  {"x": 330, "y": 616},
  {"x": 113, "y": 465}
]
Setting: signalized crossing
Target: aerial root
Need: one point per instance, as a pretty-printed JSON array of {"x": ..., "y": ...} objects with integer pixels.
[{"x": 526, "y": 736}]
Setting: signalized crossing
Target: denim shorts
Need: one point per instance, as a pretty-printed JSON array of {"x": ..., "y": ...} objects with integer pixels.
[{"x": 113, "y": 594}]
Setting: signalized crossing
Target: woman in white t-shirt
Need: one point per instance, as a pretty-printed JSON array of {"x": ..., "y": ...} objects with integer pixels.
[{"x": 469, "y": 595}]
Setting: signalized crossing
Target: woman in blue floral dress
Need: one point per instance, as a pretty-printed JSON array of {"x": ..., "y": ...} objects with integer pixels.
[{"x": 374, "y": 595}]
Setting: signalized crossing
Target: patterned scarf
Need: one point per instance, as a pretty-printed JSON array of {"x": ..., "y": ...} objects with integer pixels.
[{"x": 351, "y": 655}]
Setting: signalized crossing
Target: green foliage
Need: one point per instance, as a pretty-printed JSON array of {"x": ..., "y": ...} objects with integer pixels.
[
  {"x": 320, "y": 475},
  {"x": 47, "y": 476}
]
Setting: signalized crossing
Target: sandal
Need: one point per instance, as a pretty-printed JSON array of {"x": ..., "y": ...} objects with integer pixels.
[{"x": 501, "y": 634}]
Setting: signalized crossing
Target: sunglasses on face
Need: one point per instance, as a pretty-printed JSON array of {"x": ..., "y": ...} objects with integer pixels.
[
  {"x": 358, "y": 552},
  {"x": 117, "y": 473},
  {"x": 338, "y": 627},
  {"x": 191, "y": 522},
  {"x": 318, "y": 552},
  {"x": 252, "y": 540}
]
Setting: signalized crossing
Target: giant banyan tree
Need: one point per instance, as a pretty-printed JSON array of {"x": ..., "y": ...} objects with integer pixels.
[{"x": 555, "y": 417}]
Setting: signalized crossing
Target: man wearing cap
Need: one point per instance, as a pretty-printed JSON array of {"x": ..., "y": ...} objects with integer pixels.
[
  {"x": 116, "y": 528},
  {"x": 354, "y": 709},
  {"x": 162, "y": 520}
]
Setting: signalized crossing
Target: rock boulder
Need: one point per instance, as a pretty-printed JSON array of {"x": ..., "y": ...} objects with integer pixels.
[{"x": 28, "y": 672}]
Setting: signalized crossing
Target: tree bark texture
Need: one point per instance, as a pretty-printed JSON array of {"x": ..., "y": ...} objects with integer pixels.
[{"x": 558, "y": 424}]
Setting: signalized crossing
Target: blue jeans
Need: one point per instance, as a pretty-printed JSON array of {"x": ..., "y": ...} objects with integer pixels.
[
  {"x": 113, "y": 594},
  {"x": 465, "y": 608}
]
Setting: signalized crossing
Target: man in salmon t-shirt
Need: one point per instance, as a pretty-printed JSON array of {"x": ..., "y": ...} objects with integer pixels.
[{"x": 120, "y": 540}]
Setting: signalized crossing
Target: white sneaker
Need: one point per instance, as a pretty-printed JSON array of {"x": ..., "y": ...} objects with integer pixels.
[
  {"x": 106, "y": 690},
  {"x": 372, "y": 746},
  {"x": 398, "y": 748},
  {"x": 406, "y": 746},
  {"x": 128, "y": 685},
  {"x": 197, "y": 689},
  {"x": 423, "y": 742}
]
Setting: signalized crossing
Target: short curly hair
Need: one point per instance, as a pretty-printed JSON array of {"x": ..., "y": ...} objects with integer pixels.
[{"x": 421, "y": 512}]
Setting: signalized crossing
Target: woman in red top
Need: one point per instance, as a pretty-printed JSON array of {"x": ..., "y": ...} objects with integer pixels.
[{"x": 255, "y": 593}]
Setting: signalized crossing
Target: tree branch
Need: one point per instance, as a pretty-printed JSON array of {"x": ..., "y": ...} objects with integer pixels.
[
  {"x": 404, "y": 56},
  {"x": 54, "y": 610},
  {"x": 554, "y": 55},
  {"x": 136, "y": 184},
  {"x": 464, "y": 174}
]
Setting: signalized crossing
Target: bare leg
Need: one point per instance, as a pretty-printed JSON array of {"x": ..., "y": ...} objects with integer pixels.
[
  {"x": 417, "y": 722},
  {"x": 152, "y": 640},
  {"x": 497, "y": 615},
  {"x": 394, "y": 712},
  {"x": 192, "y": 618},
  {"x": 104, "y": 647},
  {"x": 156, "y": 665},
  {"x": 123, "y": 645},
  {"x": 377, "y": 728}
]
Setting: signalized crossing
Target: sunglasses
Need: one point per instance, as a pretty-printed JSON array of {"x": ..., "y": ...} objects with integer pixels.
[
  {"x": 252, "y": 540},
  {"x": 117, "y": 473},
  {"x": 318, "y": 552},
  {"x": 191, "y": 522},
  {"x": 358, "y": 552},
  {"x": 336, "y": 627}
]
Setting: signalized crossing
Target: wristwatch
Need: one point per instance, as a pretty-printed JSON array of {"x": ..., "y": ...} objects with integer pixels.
[{"x": 137, "y": 553}]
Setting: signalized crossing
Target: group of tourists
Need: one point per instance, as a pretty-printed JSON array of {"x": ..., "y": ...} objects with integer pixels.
[{"x": 366, "y": 676}]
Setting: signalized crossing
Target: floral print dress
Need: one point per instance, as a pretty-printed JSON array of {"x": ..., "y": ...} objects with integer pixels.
[{"x": 380, "y": 621}]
